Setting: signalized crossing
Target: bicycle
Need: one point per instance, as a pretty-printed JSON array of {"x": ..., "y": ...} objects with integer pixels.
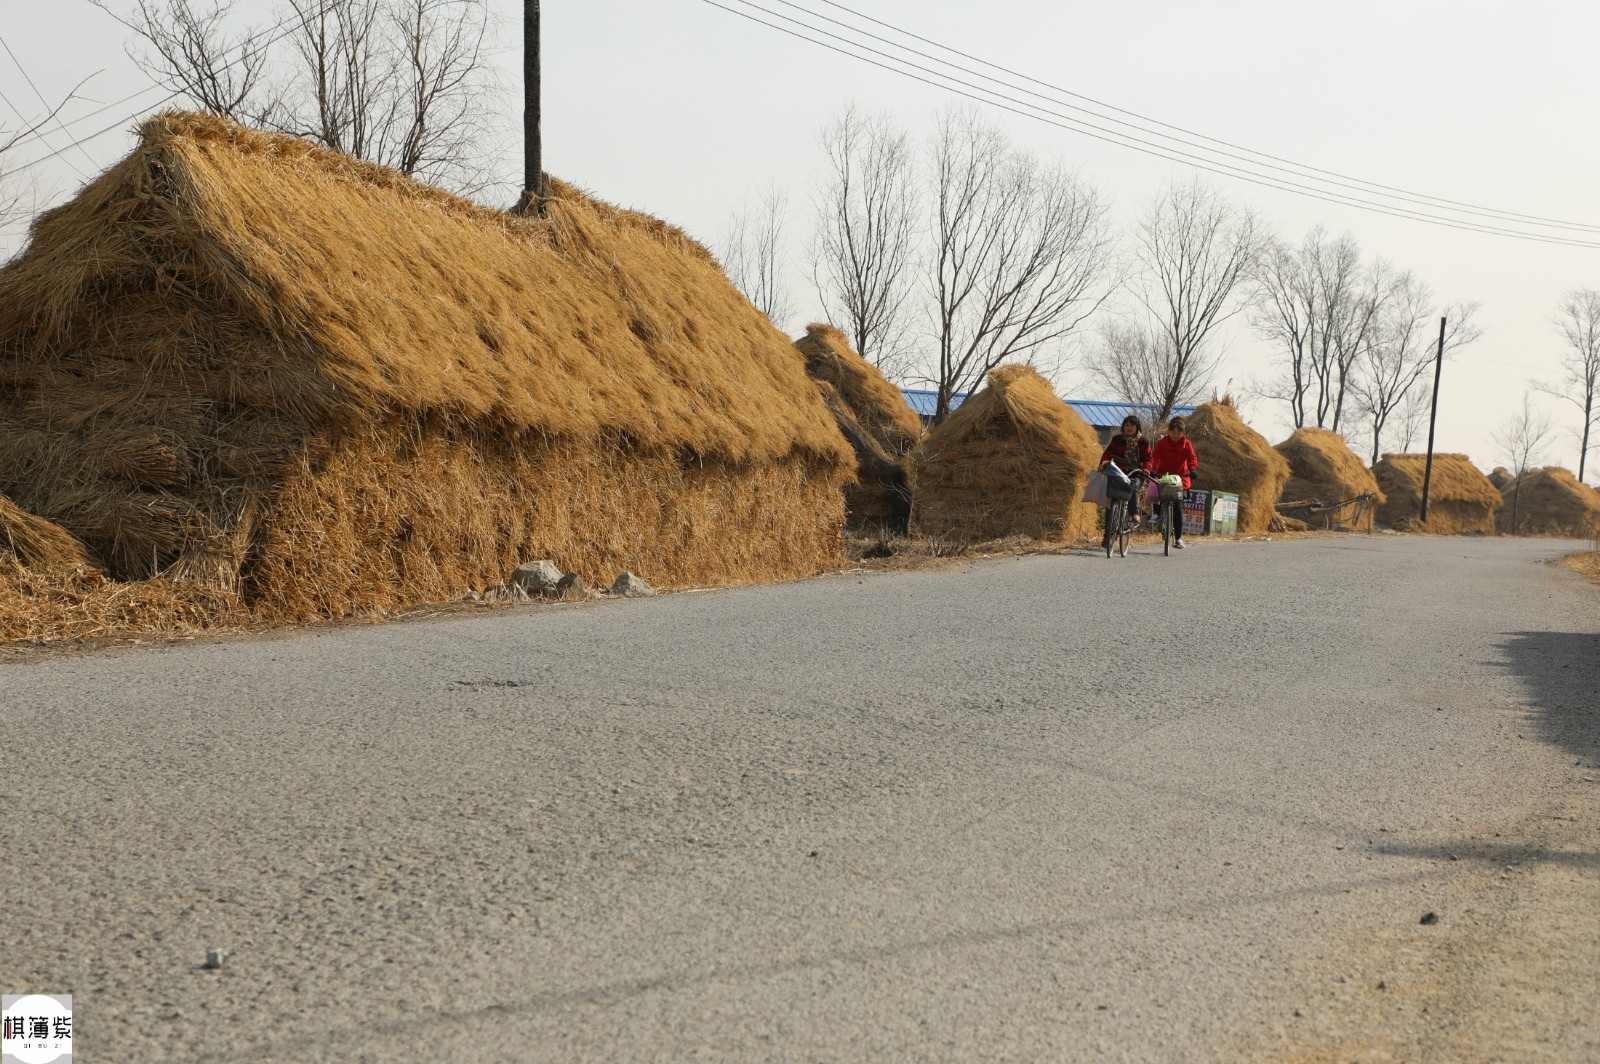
[
  {"x": 1121, "y": 488},
  {"x": 1169, "y": 511}
]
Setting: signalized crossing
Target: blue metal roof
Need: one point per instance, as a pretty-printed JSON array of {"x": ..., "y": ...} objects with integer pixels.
[{"x": 1096, "y": 412}]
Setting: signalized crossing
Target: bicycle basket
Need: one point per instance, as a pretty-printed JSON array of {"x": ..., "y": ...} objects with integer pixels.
[
  {"x": 1118, "y": 487},
  {"x": 1171, "y": 486}
]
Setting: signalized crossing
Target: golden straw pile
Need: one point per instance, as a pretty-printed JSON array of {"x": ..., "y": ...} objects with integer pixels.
[
  {"x": 1011, "y": 460},
  {"x": 874, "y": 417},
  {"x": 1323, "y": 468},
  {"x": 244, "y": 362},
  {"x": 1236, "y": 458},
  {"x": 1460, "y": 497},
  {"x": 1549, "y": 502}
]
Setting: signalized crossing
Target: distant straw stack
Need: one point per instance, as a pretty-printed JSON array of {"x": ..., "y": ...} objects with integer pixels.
[
  {"x": 1323, "y": 469},
  {"x": 1011, "y": 460},
  {"x": 1460, "y": 497},
  {"x": 1236, "y": 458},
  {"x": 1548, "y": 502},
  {"x": 874, "y": 417}
]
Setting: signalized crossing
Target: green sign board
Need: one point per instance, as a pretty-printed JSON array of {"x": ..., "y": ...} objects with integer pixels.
[{"x": 1222, "y": 518}]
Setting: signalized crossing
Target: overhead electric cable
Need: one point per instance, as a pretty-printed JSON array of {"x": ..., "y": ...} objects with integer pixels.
[
  {"x": 950, "y": 83},
  {"x": 1181, "y": 129},
  {"x": 245, "y": 53}
]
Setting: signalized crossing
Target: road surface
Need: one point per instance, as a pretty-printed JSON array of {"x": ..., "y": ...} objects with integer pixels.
[{"x": 1042, "y": 808}]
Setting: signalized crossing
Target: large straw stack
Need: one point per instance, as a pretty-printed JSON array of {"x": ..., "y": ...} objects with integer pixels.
[
  {"x": 1323, "y": 469},
  {"x": 243, "y": 359},
  {"x": 1549, "y": 502},
  {"x": 1460, "y": 497},
  {"x": 1236, "y": 458},
  {"x": 874, "y": 417},
  {"x": 1500, "y": 476},
  {"x": 1010, "y": 461}
]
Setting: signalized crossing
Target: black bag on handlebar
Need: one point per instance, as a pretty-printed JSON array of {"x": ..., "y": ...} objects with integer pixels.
[{"x": 1118, "y": 487}]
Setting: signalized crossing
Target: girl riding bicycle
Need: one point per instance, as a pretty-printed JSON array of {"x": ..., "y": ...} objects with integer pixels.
[
  {"x": 1128, "y": 451},
  {"x": 1173, "y": 453}
]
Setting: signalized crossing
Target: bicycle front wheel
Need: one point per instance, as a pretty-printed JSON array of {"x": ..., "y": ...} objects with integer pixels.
[
  {"x": 1166, "y": 526},
  {"x": 1124, "y": 532},
  {"x": 1114, "y": 520}
]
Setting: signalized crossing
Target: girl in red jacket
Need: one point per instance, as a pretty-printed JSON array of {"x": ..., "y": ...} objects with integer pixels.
[{"x": 1175, "y": 454}]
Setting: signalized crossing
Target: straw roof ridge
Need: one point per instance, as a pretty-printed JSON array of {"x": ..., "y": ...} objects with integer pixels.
[
  {"x": 352, "y": 293},
  {"x": 878, "y": 405}
]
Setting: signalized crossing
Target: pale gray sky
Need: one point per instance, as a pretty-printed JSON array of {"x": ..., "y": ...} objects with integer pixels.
[{"x": 679, "y": 109}]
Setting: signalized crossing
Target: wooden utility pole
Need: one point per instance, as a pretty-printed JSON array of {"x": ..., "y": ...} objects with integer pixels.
[
  {"x": 532, "y": 140},
  {"x": 1433, "y": 416}
]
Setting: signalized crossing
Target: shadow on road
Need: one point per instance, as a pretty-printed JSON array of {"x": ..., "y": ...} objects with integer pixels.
[{"x": 1561, "y": 671}]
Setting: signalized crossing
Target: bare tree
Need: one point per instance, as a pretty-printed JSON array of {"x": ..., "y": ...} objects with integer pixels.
[
  {"x": 1578, "y": 319},
  {"x": 1021, "y": 252},
  {"x": 1520, "y": 437},
  {"x": 403, "y": 83},
  {"x": 1322, "y": 308},
  {"x": 191, "y": 49},
  {"x": 1196, "y": 250},
  {"x": 1137, "y": 364},
  {"x": 863, "y": 251},
  {"x": 1409, "y": 423},
  {"x": 1401, "y": 349},
  {"x": 754, "y": 251}
]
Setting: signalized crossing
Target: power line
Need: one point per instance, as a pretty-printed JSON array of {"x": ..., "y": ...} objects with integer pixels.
[
  {"x": 246, "y": 52},
  {"x": 949, "y": 84},
  {"x": 53, "y": 113},
  {"x": 1404, "y": 193}
]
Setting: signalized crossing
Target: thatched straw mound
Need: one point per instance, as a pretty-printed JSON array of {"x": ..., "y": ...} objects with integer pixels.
[
  {"x": 1236, "y": 458},
  {"x": 1499, "y": 476},
  {"x": 1011, "y": 460},
  {"x": 240, "y": 358},
  {"x": 1460, "y": 497},
  {"x": 1549, "y": 502},
  {"x": 37, "y": 544},
  {"x": 874, "y": 417},
  {"x": 1323, "y": 468}
]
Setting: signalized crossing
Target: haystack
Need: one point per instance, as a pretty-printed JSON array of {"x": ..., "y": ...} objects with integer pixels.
[
  {"x": 1549, "y": 502},
  {"x": 1236, "y": 458},
  {"x": 1010, "y": 461},
  {"x": 1324, "y": 470},
  {"x": 1460, "y": 497},
  {"x": 243, "y": 359},
  {"x": 1499, "y": 476},
  {"x": 37, "y": 544},
  {"x": 874, "y": 417}
]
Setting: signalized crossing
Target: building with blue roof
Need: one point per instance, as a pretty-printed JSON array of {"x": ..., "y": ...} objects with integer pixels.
[{"x": 1104, "y": 417}]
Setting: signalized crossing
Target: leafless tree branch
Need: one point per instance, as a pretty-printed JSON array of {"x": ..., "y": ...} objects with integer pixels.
[{"x": 863, "y": 250}]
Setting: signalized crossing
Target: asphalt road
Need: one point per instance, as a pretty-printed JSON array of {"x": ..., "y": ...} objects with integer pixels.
[{"x": 1042, "y": 808}]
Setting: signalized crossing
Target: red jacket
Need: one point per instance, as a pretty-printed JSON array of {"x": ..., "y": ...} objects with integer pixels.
[
  {"x": 1117, "y": 451},
  {"x": 1175, "y": 458}
]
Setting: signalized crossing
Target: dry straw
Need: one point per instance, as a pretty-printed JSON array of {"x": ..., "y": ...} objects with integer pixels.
[
  {"x": 874, "y": 417},
  {"x": 1460, "y": 497},
  {"x": 245, "y": 360},
  {"x": 1549, "y": 502},
  {"x": 1499, "y": 476},
  {"x": 1011, "y": 460},
  {"x": 1236, "y": 458},
  {"x": 1323, "y": 469}
]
